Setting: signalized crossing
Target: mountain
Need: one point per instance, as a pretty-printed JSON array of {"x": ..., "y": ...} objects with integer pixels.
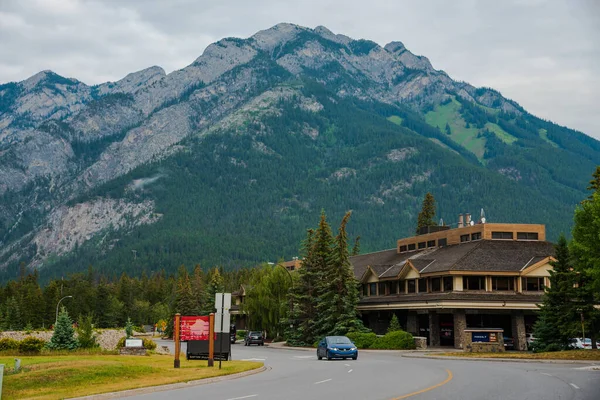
[{"x": 229, "y": 160}]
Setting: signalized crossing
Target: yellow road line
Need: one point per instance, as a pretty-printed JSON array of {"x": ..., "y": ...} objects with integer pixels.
[{"x": 448, "y": 379}]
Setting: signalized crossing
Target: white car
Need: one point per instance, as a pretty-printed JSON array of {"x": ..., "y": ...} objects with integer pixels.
[
  {"x": 580, "y": 343},
  {"x": 529, "y": 338}
]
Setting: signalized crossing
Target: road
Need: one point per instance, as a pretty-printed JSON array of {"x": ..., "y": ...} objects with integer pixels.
[{"x": 297, "y": 374}]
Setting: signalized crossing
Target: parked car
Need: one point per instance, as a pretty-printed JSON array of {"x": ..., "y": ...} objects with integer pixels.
[
  {"x": 529, "y": 338},
  {"x": 579, "y": 343},
  {"x": 232, "y": 333},
  {"x": 336, "y": 347},
  {"x": 254, "y": 337},
  {"x": 509, "y": 343}
]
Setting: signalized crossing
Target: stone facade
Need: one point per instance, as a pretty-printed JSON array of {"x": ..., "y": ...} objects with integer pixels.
[
  {"x": 106, "y": 338},
  {"x": 434, "y": 329},
  {"x": 518, "y": 329},
  {"x": 460, "y": 324}
]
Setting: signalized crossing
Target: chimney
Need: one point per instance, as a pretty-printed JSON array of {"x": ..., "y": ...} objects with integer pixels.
[
  {"x": 460, "y": 221},
  {"x": 468, "y": 215}
]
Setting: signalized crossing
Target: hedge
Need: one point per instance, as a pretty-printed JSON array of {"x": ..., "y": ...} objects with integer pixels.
[
  {"x": 8, "y": 344},
  {"x": 396, "y": 340},
  {"x": 31, "y": 345},
  {"x": 362, "y": 340}
]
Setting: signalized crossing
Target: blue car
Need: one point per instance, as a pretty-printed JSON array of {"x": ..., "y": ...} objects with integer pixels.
[{"x": 336, "y": 347}]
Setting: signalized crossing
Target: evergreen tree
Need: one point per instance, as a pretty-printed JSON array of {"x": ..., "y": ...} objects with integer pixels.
[
  {"x": 559, "y": 312},
  {"x": 448, "y": 130},
  {"x": 184, "y": 303},
  {"x": 585, "y": 248},
  {"x": 427, "y": 214},
  {"x": 129, "y": 328},
  {"x": 303, "y": 297},
  {"x": 198, "y": 289},
  {"x": 215, "y": 285},
  {"x": 356, "y": 248},
  {"x": 595, "y": 182},
  {"x": 394, "y": 324},
  {"x": 85, "y": 333},
  {"x": 63, "y": 337},
  {"x": 12, "y": 316}
]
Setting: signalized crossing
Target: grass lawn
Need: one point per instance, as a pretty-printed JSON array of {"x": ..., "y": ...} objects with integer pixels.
[
  {"x": 556, "y": 355},
  {"x": 59, "y": 377},
  {"x": 395, "y": 119}
]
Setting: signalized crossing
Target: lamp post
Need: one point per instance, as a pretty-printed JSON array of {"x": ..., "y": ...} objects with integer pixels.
[
  {"x": 292, "y": 287},
  {"x": 56, "y": 320}
]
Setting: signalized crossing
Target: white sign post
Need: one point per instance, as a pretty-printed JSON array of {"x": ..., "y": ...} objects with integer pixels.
[
  {"x": 222, "y": 304},
  {"x": 1, "y": 376}
]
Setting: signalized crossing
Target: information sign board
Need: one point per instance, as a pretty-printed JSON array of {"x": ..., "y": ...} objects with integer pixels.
[
  {"x": 480, "y": 336},
  {"x": 134, "y": 343},
  {"x": 195, "y": 328}
]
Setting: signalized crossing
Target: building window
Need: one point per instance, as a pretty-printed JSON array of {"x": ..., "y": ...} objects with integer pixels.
[
  {"x": 422, "y": 245},
  {"x": 442, "y": 242},
  {"x": 502, "y": 235},
  {"x": 401, "y": 287},
  {"x": 372, "y": 289},
  {"x": 394, "y": 287},
  {"x": 431, "y": 243},
  {"x": 423, "y": 285},
  {"x": 411, "y": 286},
  {"x": 403, "y": 248},
  {"x": 365, "y": 289},
  {"x": 448, "y": 283},
  {"x": 382, "y": 291},
  {"x": 476, "y": 236},
  {"x": 436, "y": 284},
  {"x": 473, "y": 282},
  {"x": 527, "y": 236},
  {"x": 503, "y": 283},
  {"x": 411, "y": 247},
  {"x": 464, "y": 238},
  {"x": 533, "y": 284}
]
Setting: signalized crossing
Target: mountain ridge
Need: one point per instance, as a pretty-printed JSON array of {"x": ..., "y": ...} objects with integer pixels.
[{"x": 63, "y": 142}]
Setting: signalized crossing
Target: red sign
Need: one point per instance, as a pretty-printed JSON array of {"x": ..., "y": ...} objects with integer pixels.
[{"x": 194, "y": 328}]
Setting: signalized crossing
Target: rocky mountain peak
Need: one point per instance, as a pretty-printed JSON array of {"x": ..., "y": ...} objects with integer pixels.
[
  {"x": 133, "y": 81},
  {"x": 281, "y": 33},
  {"x": 46, "y": 76}
]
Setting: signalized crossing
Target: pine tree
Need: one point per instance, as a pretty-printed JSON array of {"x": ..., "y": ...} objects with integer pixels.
[
  {"x": 85, "y": 333},
  {"x": 215, "y": 285},
  {"x": 427, "y": 214},
  {"x": 356, "y": 248},
  {"x": 394, "y": 324},
  {"x": 303, "y": 297},
  {"x": 184, "y": 302},
  {"x": 63, "y": 337},
  {"x": 558, "y": 312},
  {"x": 595, "y": 182},
  {"x": 12, "y": 315}
]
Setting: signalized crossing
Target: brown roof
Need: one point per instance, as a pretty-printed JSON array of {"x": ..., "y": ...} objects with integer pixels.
[
  {"x": 385, "y": 257},
  {"x": 481, "y": 255}
]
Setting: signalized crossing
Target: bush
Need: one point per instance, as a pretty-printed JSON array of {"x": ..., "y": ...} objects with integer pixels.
[
  {"x": 149, "y": 344},
  {"x": 31, "y": 345},
  {"x": 241, "y": 333},
  {"x": 8, "y": 344},
  {"x": 85, "y": 333},
  {"x": 362, "y": 340},
  {"x": 396, "y": 340}
]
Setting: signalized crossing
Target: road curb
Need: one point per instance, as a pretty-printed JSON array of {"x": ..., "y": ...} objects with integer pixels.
[
  {"x": 170, "y": 386},
  {"x": 426, "y": 357}
]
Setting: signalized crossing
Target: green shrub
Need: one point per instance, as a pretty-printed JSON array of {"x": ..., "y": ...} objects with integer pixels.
[
  {"x": 396, "y": 340},
  {"x": 149, "y": 344},
  {"x": 121, "y": 342},
  {"x": 241, "y": 333},
  {"x": 8, "y": 344},
  {"x": 362, "y": 340},
  {"x": 31, "y": 345},
  {"x": 85, "y": 333}
]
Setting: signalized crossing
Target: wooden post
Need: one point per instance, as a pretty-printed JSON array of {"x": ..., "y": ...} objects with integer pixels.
[
  {"x": 177, "y": 363},
  {"x": 211, "y": 340}
]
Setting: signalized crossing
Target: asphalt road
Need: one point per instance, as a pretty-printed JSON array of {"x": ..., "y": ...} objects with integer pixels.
[{"x": 296, "y": 374}]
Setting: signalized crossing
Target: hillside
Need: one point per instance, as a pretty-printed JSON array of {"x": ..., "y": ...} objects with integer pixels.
[{"x": 229, "y": 160}]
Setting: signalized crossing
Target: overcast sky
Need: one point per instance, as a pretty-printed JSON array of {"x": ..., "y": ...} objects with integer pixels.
[{"x": 545, "y": 54}]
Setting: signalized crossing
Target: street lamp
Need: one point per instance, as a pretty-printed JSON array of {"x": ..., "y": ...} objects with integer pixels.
[{"x": 56, "y": 320}]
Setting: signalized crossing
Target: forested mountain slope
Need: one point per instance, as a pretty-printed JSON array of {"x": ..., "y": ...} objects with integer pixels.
[{"x": 229, "y": 160}]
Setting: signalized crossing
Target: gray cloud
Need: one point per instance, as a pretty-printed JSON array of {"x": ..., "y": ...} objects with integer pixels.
[{"x": 541, "y": 53}]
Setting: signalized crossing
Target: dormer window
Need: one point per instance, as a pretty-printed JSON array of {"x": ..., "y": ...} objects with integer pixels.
[
  {"x": 502, "y": 235},
  {"x": 527, "y": 236}
]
